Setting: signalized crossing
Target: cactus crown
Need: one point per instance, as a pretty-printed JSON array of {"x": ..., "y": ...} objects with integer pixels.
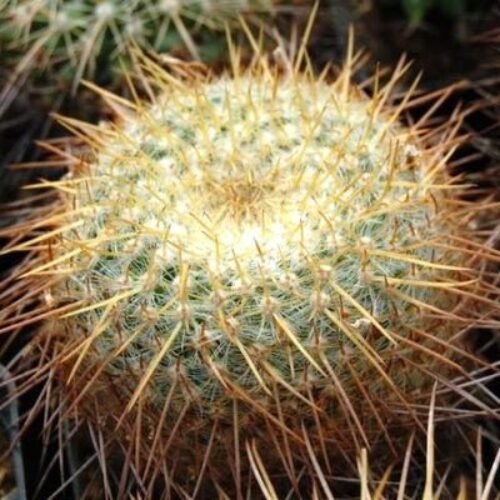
[{"x": 259, "y": 257}]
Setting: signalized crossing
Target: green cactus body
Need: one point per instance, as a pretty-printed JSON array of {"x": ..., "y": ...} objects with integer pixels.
[{"x": 257, "y": 262}]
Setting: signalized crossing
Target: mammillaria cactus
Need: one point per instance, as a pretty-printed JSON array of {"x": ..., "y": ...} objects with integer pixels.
[{"x": 254, "y": 277}]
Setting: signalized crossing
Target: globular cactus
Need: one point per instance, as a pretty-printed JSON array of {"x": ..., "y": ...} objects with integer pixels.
[
  {"x": 252, "y": 278},
  {"x": 54, "y": 44}
]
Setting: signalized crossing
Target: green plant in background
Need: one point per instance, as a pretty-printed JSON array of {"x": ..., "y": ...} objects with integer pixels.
[
  {"x": 55, "y": 43},
  {"x": 416, "y": 10},
  {"x": 250, "y": 280}
]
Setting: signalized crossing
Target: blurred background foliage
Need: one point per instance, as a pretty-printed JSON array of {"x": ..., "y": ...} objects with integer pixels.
[{"x": 417, "y": 10}]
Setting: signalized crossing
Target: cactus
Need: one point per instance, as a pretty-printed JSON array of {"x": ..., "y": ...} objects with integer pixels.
[
  {"x": 54, "y": 44},
  {"x": 252, "y": 278}
]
